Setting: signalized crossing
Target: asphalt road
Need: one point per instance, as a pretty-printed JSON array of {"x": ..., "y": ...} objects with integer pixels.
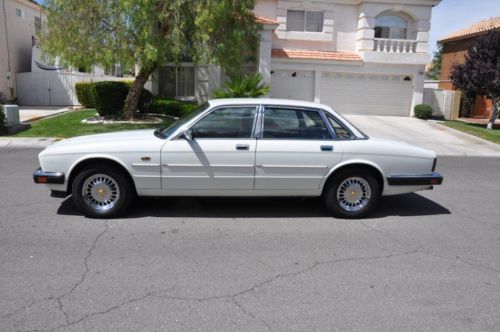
[{"x": 428, "y": 261}]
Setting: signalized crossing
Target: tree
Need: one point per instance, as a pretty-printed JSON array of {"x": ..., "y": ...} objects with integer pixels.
[
  {"x": 480, "y": 74},
  {"x": 149, "y": 33},
  {"x": 435, "y": 71}
]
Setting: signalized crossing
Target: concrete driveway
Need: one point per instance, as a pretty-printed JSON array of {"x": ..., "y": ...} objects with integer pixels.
[
  {"x": 32, "y": 113},
  {"x": 426, "y": 134}
]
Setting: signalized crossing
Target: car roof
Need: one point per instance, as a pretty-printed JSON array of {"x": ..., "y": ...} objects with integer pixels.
[{"x": 267, "y": 101}]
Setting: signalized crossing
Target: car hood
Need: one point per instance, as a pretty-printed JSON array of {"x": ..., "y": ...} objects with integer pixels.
[{"x": 122, "y": 140}]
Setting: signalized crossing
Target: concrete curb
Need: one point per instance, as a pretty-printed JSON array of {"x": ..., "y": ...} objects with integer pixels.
[{"x": 26, "y": 142}]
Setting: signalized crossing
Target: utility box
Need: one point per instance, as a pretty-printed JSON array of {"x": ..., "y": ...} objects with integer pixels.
[{"x": 11, "y": 114}]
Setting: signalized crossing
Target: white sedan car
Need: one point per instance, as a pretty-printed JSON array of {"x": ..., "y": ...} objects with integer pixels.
[{"x": 238, "y": 147}]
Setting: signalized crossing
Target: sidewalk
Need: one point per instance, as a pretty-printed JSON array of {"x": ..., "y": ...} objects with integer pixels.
[
  {"x": 26, "y": 142},
  {"x": 32, "y": 113}
]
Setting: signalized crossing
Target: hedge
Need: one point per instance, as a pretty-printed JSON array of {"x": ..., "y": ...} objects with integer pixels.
[
  {"x": 173, "y": 107},
  {"x": 85, "y": 97},
  {"x": 108, "y": 98},
  {"x": 423, "y": 111},
  {"x": 83, "y": 94}
]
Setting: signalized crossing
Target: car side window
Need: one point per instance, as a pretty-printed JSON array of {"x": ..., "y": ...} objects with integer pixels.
[
  {"x": 340, "y": 131},
  {"x": 283, "y": 123},
  {"x": 229, "y": 122}
]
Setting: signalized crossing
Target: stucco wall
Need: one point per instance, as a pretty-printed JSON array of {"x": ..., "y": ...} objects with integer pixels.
[{"x": 20, "y": 31}]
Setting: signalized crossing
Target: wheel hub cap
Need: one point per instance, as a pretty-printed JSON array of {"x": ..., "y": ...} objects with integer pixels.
[
  {"x": 100, "y": 192},
  {"x": 354, "y": 194}
]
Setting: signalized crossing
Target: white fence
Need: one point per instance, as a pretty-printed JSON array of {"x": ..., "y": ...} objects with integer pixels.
[
  {"x": 53, "y": 88},
  {"x": 444, "y": 103}
]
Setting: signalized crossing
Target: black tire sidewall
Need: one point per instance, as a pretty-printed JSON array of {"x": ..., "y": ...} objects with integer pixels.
[
  {"x": 330, "y": 195},
  {"x": 124, "y": 185}
]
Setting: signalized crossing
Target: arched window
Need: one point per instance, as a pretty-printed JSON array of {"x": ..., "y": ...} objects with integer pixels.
[{"x": 391, "y": 27}]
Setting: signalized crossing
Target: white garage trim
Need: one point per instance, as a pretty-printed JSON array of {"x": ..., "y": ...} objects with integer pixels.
[
  {"x": 292, "y": 84},
  {"x": 367, "y": 94}
]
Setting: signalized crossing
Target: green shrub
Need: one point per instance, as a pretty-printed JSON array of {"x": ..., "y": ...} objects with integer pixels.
[
  {"x": 84, "y": 95},
  {"x": 423, "y": 111},
  {"x": 173, "y": 107},
  {"x": 109, "y": 98},
  {"x": 249, "y": 86}
]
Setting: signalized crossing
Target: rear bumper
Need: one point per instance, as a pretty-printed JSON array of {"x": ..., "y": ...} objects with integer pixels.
[
  {"x": 433, "y": 179},
  {"x": 39, "y": 176}
]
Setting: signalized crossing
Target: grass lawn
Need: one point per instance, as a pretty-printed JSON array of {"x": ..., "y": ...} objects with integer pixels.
[
  {"x": 69, "y": 125},
  {"x": 476, "y": 130}
]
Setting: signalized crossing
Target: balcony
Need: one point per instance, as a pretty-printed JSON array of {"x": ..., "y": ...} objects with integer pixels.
[{"x": 394, "y": 45}]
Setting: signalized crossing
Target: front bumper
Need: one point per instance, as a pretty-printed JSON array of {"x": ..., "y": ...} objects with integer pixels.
[
  {"x": 39, "y": 176},
  {"x": 433, "y": 179}
]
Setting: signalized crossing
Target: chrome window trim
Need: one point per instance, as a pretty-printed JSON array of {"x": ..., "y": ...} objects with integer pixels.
[
  {"x": 189, "y": 125},
  {"x": 298, "y": 108}
]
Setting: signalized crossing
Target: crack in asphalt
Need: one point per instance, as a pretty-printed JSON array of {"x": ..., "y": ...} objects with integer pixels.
[
  {"x": 423, "y": 251},
  {"x": 232, "y": 297},
  {"x": 251, "y": 314},
  {"x": 59, "y": 298}
]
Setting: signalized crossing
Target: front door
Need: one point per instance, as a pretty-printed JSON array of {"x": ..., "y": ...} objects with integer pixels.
[
  {"x": 221, "y": 155},
  {"x": 296, "y": 150}
]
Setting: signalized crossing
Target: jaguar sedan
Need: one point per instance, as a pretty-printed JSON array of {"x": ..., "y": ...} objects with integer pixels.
[{"x": 238, "y": 147}]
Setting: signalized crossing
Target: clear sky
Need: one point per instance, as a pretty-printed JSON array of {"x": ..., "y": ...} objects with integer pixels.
[{"x": 452, "y": 15}]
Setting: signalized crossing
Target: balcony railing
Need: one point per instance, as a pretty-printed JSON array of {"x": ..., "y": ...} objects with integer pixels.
[{"x": 394, "y": 45}]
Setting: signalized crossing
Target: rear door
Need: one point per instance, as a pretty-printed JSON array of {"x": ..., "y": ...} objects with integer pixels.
[{"x": 295, "y": 150}]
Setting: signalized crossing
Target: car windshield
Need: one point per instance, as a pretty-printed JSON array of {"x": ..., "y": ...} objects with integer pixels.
[{"x": 166, "y": 132}]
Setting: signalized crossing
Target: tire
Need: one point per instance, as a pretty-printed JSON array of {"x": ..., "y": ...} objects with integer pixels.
[
  {"x": 102, "y": 192},
  {"x": 352, "y": 193}
]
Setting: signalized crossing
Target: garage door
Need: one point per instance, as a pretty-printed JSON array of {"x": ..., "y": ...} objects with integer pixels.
[
  {"x": 289, "y": 84},
  {"x": 367, "y": 94}
]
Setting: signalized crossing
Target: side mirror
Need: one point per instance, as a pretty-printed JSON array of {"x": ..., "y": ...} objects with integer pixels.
[{"x": 188, "y": 134}]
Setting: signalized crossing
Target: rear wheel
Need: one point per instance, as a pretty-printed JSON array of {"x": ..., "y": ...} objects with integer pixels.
[
  {"x": 352, "y": 193},
  {"x": 102, "y": 192}
]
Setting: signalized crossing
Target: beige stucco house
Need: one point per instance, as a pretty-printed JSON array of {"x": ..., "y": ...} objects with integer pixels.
[
  {"x": 358, "y": 56},
  {"x": 20, "y": 20}
]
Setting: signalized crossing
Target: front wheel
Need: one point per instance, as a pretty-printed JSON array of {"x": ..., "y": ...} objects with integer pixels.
[
  {"x": 352, "y": 193},
  {"x": 103, "y": 192}
]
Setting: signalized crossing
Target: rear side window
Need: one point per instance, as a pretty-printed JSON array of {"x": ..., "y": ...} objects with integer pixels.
[
  {"x": 230, "y": 122},
  {"x": 340, "y": 131},
  {"x": 282, "y": 123}
]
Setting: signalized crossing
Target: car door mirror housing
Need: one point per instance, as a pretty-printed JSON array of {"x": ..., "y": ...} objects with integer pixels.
[{"x": 188, "y": 134}]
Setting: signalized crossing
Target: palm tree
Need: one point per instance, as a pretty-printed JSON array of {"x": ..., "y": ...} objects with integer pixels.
[{"x": 248, "y": 86}]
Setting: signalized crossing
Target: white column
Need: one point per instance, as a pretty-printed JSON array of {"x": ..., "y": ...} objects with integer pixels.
[
  {"x": 422, "y": 28},
  {"x": 265, "y": 50},
  {"x": 418, "y": 93},
  {"x": 365, "y": 33}
]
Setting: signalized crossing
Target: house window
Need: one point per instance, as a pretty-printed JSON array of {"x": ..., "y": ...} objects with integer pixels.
[
  {"x": 391, "y": 27},
  {"x": 301, "y": 20},
  {"x": 20, "y": 13},
  {"x": 38, "y": 25},
  {"x": 177, "y": 82}
]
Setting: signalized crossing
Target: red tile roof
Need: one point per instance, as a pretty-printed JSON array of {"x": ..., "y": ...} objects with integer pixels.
[
  {"x": 474, "y": 30},
  {"x": 315, "y": 55},
  {"x": 265, "y": 21}
]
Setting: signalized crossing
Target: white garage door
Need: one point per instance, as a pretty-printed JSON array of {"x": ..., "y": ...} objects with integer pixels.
[
  {"x": 289, "y": 84},
  {"x": 367, "y": 94}
]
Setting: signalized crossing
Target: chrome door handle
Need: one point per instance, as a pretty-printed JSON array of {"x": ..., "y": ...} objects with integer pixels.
[
  {"x": 242, "y": 147},
  {"x": 327, "y": 148}
]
